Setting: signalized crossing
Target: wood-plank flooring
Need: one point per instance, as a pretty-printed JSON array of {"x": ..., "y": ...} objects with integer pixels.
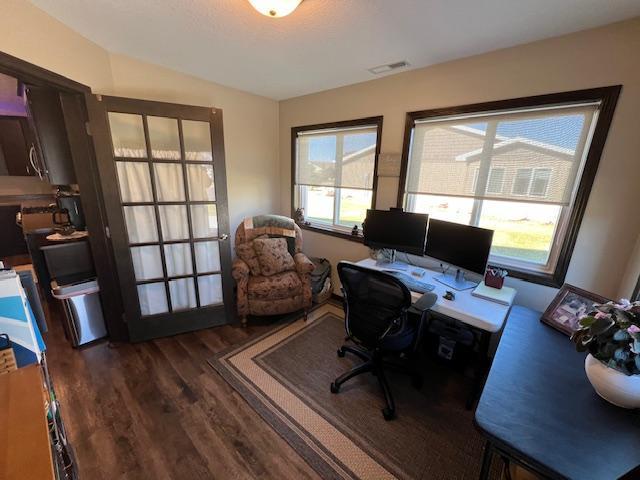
[{"x": 157, "y": 410}]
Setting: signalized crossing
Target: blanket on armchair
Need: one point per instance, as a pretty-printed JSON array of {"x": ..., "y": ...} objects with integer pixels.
[{"x": 269, "y": 225}]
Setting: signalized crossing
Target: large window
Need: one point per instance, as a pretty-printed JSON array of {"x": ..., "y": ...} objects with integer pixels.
[
  {"x": 521, "y": 167},
  {"x": 335, "y": 172}
]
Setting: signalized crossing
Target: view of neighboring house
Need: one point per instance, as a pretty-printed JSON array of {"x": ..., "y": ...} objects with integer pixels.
[{"x": 452, "y": 157}]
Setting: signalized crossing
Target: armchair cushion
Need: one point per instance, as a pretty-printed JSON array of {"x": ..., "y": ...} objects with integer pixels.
[
  {"x": 247, "y": 253},
  {"x": 240, "y": 270},
  {"x": 276, "y": 287},
  {"x": 303, "y": 264},
  {"x": 273, "y": 255}
]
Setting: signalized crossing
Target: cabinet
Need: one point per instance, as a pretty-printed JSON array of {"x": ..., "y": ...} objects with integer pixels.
[
  {"x": 14, "y": 147},
  {"x": 54, "y": 154}
]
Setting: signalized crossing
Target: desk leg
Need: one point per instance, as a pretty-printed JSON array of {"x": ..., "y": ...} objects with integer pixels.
[
  {"x": 481, "y": 371},
  {"x": 487, "y": 457}
]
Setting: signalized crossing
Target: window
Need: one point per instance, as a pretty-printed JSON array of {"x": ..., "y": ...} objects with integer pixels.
[
  {"x": 522, "y": 181},
  {"x": 531, "y": 182},
  {"x": 496, "y": 180},
  {"x": 540, "y": 182},
  {"x": 522, "y": 168},
  {"x": 335, "y": 172}
]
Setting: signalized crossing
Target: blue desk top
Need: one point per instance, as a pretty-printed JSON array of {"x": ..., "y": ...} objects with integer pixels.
[{"x": 539, "y": 406}]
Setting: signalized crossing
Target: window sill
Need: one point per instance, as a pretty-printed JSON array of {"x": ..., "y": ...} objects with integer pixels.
[
  {"x": 539, "y": 278},
  {"x": 334, "y": 232}
]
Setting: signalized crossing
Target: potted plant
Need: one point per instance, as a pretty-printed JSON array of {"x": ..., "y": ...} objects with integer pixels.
[{"x": 611, "y": 335}]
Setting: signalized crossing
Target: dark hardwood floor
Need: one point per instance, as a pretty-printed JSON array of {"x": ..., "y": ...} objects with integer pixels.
[{"x": 157, "y": 410}]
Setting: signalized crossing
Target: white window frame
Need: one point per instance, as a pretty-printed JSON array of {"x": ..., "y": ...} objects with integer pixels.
[
  {"x": 492, "y": 170},
  {"x": 546, "y": 187},
  {"x": 300, "y": 192},
  {"x": 502, "y": 260},
  {"x": 528, "y": 192},
  {"x": 301, "y": 200},
  {"x": 560, "y": 226},
  {"x": 528, "y": 187}
]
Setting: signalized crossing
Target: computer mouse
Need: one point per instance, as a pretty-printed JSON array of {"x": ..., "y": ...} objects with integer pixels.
[{"x": 449, "y": 295}]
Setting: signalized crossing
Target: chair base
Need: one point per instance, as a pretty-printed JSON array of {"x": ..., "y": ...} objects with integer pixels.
[{"x": 375, "y": 364}]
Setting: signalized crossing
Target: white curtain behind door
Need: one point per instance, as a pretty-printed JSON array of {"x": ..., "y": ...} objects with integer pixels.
[{"x": 135, "y": 186}]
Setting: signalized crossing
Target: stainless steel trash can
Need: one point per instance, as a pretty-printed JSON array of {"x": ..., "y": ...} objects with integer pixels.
[{"x": 83, "y": 311}]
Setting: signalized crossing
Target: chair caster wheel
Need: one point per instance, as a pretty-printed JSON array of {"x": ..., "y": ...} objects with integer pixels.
[
  {"x": 417, "y": 382},
  {"x": 334, "y": 388},
  {"x": 388, "y": 414},
  {"x": 341, "y": 353}
]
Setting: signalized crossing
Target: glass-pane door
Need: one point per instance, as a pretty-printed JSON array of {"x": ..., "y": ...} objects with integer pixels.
[{"x": 169, "y": 200}]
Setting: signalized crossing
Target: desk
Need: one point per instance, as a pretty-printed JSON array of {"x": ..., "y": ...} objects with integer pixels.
[
  {"x": 538, "y": 408},
  {"x": 476, "y": 312},
  {"x": 483, "y": 315}
]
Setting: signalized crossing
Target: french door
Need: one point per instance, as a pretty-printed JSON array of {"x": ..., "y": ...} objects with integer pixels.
[{"x": 162, "y": 173}]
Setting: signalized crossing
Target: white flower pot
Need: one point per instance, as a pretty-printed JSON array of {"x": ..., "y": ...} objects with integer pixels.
[{"x": 614, "y": 386}]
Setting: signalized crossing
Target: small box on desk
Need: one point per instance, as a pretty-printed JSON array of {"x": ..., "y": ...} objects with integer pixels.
[{"x": 494, "y": 277}]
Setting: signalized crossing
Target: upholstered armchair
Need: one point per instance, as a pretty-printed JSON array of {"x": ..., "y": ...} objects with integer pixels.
[{"x": 271, "y": 272}]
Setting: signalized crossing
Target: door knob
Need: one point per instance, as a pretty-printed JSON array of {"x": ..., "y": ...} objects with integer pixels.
[{"x": 223, "y": 237}]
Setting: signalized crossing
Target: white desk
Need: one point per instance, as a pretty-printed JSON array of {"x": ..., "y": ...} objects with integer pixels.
[{"x": 474, "y": 311}]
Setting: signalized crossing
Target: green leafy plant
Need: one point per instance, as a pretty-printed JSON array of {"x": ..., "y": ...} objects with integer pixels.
[{"x": 611, "y": 333}]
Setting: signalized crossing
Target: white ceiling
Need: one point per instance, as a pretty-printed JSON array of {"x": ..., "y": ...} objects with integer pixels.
[{"x": 324, "y": 43}]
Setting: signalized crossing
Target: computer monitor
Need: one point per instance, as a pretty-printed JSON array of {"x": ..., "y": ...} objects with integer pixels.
[
  {"x": 464, "y": 246},
  {"x": 396, "y": 230}
]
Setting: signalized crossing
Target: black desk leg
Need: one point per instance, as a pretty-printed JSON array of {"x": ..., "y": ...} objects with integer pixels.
[
  {"x": 481, "y": 371},
  {"x": 487, "y": 457}
]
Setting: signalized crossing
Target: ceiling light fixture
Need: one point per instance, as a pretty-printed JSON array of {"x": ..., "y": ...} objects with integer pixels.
[{"x": 275, "y": 8}]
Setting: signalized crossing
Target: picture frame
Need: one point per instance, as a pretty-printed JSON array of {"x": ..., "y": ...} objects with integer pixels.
[{"x": 568, "y": 306}]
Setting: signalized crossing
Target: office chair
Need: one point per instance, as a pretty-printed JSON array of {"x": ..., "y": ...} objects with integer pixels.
[{"x": 377, "y": 309}]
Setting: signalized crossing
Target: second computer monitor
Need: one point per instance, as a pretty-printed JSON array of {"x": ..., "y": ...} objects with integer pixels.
[
  {"x": 396, "y": 230},
  {"x": 464, "y": 246}
]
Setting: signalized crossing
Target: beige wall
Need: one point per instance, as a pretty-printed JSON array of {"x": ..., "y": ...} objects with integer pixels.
[
  {"x": 250, "y": 121},
  {"x": 33, "y": 35},
  {"x": 593, "y": 58}
]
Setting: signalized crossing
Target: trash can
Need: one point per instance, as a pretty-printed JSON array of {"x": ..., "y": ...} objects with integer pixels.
[
  {"x": 83, "y": 311},
  {"x": 74, "y": 283}
]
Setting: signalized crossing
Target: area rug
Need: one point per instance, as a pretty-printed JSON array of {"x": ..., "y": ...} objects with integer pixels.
[{"x": 285, "y": 375}]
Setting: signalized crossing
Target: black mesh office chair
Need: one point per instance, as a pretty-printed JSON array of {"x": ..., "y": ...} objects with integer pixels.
[{"x": 380, "y": 321}]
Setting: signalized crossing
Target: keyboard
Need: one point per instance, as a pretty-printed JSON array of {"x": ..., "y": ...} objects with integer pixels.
[{"x": 412, "y": 283}]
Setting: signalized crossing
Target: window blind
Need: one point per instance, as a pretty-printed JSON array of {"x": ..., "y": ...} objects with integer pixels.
[
  {"x": 336, "y": 158},
  {"x": 534, "y": 155}
]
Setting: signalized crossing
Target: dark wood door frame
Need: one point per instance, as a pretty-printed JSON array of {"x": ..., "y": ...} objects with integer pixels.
[
  {"x": 157, "y": 325},
  {"x": 38, "y": 76},
  {"x": 76, "y": 121}
]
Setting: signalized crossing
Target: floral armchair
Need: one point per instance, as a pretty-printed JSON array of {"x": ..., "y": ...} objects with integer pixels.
[{"x": 264, "y": 289}]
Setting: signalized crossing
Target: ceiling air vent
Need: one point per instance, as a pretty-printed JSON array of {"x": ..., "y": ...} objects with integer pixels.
[{"x": 388, "y": 67}]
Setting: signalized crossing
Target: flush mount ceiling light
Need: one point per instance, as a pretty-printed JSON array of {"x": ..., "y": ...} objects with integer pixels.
[{"x": 275, "y": 8}]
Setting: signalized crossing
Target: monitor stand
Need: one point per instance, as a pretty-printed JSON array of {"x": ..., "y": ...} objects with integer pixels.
[
  {"x": 389, "y": 262},
  {"x": 457, "y": 281}
]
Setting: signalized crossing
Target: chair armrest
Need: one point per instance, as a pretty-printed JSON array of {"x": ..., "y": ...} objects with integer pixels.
[
  {"x": 424, "y": 303},
  {"x": 240, "y": 270},
  {"x": 304, "y": 266}
]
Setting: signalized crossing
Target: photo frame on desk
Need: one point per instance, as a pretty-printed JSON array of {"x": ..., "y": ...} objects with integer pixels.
[{"x": 570, "y": 304}]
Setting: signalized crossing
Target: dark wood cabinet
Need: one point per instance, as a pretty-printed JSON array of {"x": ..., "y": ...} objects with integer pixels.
[
  {"x": 53, "y": 150},
  {"x": 14, "y": 146}
]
